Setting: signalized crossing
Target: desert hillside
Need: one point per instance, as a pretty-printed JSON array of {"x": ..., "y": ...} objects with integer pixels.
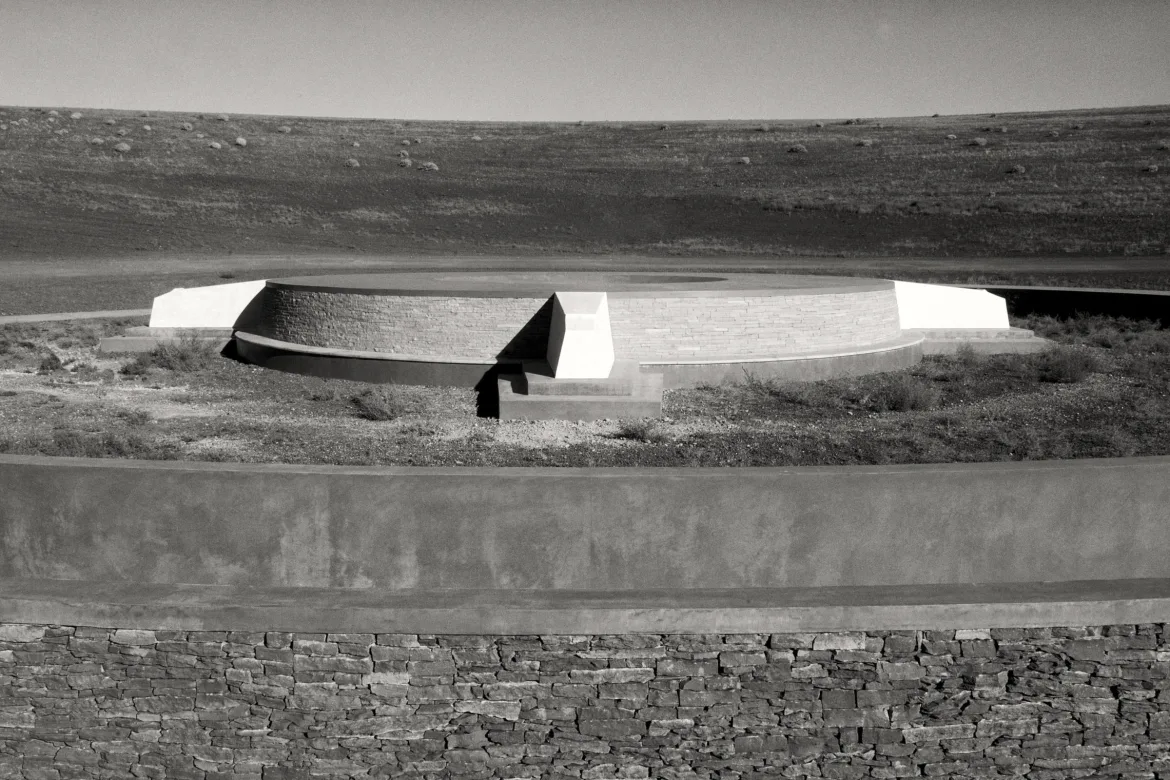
[{"x": 80, "y": 181}]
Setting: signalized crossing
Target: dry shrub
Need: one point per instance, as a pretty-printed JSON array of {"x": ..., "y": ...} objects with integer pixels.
[
  {"x": 189, "y": 354},
  {"x": 906, "y": 394},
  {"x": 1066, "y": 365},
  {"x": 646, "y": 431},
  {"x": 379, "y": 404}
]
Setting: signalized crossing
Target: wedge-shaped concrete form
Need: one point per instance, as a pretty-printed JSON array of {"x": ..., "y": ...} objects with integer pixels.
[
  {"x": 936, "y": 307},
  {"x": 580, "y": 343},
  {"x": 217, "y": 306}
]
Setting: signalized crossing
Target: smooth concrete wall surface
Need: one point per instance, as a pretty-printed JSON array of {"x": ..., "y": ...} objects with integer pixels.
[
  {"x": 935, "y": 306},
  {"x": 214, "y": 306},
  {"x": 585, "y": 529}
]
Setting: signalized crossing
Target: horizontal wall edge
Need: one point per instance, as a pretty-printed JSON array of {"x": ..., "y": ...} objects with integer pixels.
[{"x": 500, "y": 612}]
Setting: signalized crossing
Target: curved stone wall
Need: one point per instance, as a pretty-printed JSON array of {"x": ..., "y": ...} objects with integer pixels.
[
  {"x": 450, "y": 327},
  {"x": 662, "y": 319}
]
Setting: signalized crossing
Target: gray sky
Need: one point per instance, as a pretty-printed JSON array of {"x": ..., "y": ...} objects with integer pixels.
[{"x": 514, "y": 60}]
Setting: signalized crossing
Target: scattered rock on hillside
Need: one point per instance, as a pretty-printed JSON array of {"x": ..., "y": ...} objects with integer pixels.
[
  {"x": 763, "y": 129},
  {"x": 476, "y": 138},
  {"x": 745, "y": 161},
  {"x": 1078, "y": 126},
  {"x": 222, "y": 117},
  {"x": 96, "y": 141},
  {"x": 147, "y": 128},
  {"x": 200, "y": 135},
  {"x": 417, "y": 140},
  {"x": 76, "y": 115},
  {"x": 403, "y": 153},
  {"x": 284, "y": 129},
  {"x": 122, "y": 131},
  {"x": 1017, "y": 169},
  {"x": 1163, "y": 146},
  {"x": 356, "y": 144},
  {"x": 215, "y": 145},
  {"x": 798, "y": 149},
  {"x": 111, "y": 122},
  {"x": 1151, "y": 169},
  {"x": 952, "y": 137},
  {"x": 241, "y": 141},
  {"x": 1054, "y": 134},
  {"x": 864, "y": 142},
  {"x": 405, "y": 162},
  {"x": 352, "y": 163},
  {"x": 428, "y": 166},
  {"x": 53, "y": 113},
  {"x": 406, "y": 142},
  {"x": 978, "y": 142},
  {"x": 819, "y": 124},
  {"x": 186, "y": 127},
  {"x": 122, "y": 147}
]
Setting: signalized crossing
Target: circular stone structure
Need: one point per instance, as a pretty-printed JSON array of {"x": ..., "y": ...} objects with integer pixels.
[{"x": 456, "y": 329}]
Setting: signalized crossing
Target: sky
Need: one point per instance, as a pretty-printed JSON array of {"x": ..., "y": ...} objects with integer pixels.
[{"x": 568, "y": 60}]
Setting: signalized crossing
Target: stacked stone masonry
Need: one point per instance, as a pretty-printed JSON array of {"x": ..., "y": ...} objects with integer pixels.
[
  {"x": 644, "y": 327},
  {"x": 427, "y": 326},
  {"x": 1048, "y": 703},
  {"x": 706, "y": 328}
]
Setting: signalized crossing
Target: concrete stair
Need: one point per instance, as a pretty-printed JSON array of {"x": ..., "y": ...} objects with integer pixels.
[
  {"x": 987, "y": 341},
  {"x": 535, "y": 394},
  {"x": 144, "y": 338}
]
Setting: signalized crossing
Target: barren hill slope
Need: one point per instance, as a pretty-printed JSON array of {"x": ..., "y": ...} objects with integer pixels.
[{"x": 1081, "y": 183}]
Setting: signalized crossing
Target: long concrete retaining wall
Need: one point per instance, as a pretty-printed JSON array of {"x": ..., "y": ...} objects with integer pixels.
[{"x": 582, "y": 529}]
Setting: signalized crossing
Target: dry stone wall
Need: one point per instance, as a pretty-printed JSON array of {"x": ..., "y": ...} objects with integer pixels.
[
  {"x": 738, "y": 326},
  {"x": 1047, "y": 703}
]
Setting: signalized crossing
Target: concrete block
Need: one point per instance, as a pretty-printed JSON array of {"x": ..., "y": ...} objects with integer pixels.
[
  {"x": 215, "y": 306},
  {"x": 645, "y": 401},
  {"x": 580, "y": 343},
  {"x": 935, "y": 306}
]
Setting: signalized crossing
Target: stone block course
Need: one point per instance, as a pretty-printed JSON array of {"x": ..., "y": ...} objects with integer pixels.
[{"x": 1045, "y": 703}]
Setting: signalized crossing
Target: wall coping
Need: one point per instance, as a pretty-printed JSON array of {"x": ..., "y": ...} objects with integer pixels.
[{"x": 504, "y": 612}]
